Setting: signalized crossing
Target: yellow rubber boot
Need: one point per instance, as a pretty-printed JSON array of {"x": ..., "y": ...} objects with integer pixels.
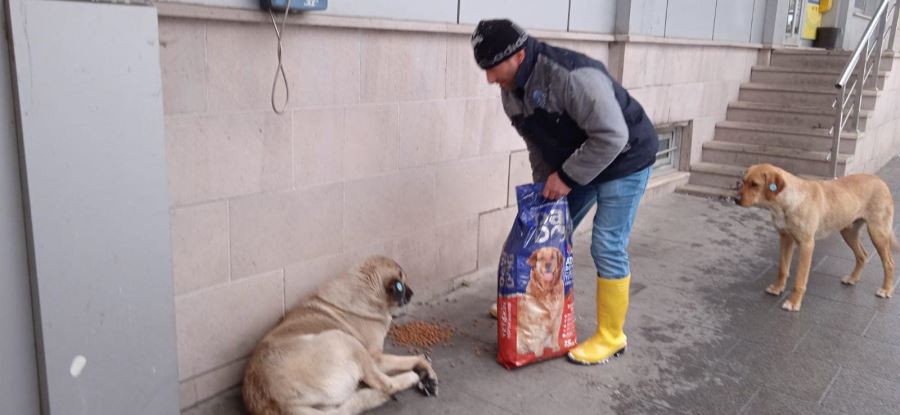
[{"x": 609, "y": 341}]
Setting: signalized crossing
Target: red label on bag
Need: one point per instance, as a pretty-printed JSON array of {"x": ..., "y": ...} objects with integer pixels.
[{"x": 524, "y": 342}]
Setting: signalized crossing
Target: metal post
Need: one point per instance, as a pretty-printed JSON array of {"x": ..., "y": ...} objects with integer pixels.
[
  {"x": 894, "y": 27},
  {"x": 838, "y": 127},
  {"x": 861, "y": 79},
  {"x": 879, "y": 49}
]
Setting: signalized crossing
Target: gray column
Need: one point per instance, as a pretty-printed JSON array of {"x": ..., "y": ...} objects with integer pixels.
[
  {"x": 92, "y": 138},
  {"x": 775, "y": 22},
  {"x": 19, "y": 382},
  {"x": 840, "y": 16}
]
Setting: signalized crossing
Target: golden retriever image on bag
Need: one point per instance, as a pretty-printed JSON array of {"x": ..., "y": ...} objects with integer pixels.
[
  {"x": 540, "y": 309},
  {"x": 326, "y": 356}
]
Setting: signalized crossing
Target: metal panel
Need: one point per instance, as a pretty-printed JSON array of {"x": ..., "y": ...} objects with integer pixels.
[
  {"x": 598, "y": 16},
  {"x": 535, "y": 14},
  {"x": 19, "y": 383},
  {"x": 236, "y": 4},
  {"x": 648, "y": 17},
  {"x": 92, "y": 133},
  {"x": 757, "y": 27},
  {"x": 431, "y": 10},
  {"x": 733, "y": 19},
  {"x": 775, "y": 22},
  {"x": 692, "y": 19}
]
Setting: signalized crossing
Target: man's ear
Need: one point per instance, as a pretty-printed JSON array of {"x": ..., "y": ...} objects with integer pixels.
[{"x": 520, "y": 56}]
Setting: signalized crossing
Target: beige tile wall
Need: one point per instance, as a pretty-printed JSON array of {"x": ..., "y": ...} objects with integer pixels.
[
  {"x": 881, "y": 140},
  {"x": 393, "y": 144},
  {"x": 677, "y": 83}
]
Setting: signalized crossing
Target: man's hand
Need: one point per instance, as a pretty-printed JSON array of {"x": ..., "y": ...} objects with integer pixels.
[{"x": 555, "y": 188}]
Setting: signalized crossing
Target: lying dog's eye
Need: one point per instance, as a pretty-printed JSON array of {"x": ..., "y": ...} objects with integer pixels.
[{"x": 398, "y": 286}]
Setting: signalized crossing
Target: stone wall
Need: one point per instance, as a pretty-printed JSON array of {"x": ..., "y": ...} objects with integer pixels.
[
  {"x": 881, "y": 139},
  {"x": 393, "y": 144}
]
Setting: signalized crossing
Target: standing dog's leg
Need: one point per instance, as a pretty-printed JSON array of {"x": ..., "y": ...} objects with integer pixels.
[
  {"x": 882, "y": 238},
  {"x": 786, "y": 243},
  {"x": 851, "y": 237},
  {"x": 804, "y": 263}
]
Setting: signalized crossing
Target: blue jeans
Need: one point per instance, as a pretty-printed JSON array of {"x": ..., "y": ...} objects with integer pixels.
[{"x": 617, "y": 202}]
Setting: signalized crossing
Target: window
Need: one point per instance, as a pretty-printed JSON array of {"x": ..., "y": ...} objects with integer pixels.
[
  {"x": 866, "y": 7},
  {"x": 667, "y": 158}
]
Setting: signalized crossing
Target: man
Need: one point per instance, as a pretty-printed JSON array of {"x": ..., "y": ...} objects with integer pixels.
[{"x": 587, "y": 139}]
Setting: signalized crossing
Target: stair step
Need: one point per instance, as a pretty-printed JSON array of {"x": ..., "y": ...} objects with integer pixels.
[
  {"x": 789, "y": 50},
  {"x": 723, "y": 176},
  {"x": 804, "y": 117},
  {"x": 798, "y": 161},
  {"x": 817, "y": 59},
  {"x": 726, "y": 176},
  {"x": 720, "y": 169},
  {"x": 773, "y": 75},
  {"x": 804, "y": 96},
  {"x": 786, "y": 152},
  {"x": 705, "y": 191},
  {"x": 787, "y": 129},
  {"x": 809, "y": 51},
  {"x": 782, "y": 136}
]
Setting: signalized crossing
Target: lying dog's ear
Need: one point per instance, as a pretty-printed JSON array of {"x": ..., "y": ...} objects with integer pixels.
[
  {"x": 532, "y": 260},
  {"x": 774, "y": 185}
]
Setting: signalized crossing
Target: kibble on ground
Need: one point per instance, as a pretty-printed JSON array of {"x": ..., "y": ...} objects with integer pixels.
[{"x": 420, "y": 336}]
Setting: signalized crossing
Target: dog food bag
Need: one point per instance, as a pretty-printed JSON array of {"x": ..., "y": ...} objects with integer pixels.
[{"x": 535, "y": 295}]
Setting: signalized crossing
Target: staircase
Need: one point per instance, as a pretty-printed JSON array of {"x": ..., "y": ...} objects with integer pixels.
[{"x": 782, "y": 116}]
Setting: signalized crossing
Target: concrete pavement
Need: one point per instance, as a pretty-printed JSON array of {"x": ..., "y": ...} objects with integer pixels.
[{"x": 703, "y": 337}]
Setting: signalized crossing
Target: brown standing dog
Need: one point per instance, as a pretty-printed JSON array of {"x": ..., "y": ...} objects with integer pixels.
[
  {"x": 804, "y": 211},
  {"x": 540, "y": 309},
  {"x": 325, "y": 356}
]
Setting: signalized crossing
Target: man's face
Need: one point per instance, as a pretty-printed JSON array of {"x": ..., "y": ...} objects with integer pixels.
[{"x": 504, "y": 74}]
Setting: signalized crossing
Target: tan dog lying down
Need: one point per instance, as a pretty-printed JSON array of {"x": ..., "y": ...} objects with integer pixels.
[
  {"x": 325, "y": 356},
  {"x": 804, "y": 211}
]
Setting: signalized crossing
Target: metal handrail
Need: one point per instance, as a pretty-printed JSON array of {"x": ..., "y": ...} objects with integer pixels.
[
  {"x": 863, "y": 42},
  {"x": 883, "y": 25}
]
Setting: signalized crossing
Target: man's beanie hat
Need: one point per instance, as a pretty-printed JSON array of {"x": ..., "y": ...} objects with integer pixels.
[{"x": 496, "y": 40}]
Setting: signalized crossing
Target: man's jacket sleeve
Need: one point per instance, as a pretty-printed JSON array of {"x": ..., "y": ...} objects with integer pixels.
[{"x": 591, "y": 102}]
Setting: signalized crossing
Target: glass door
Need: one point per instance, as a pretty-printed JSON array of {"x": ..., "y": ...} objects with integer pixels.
[{"x": 794, "y": 22}]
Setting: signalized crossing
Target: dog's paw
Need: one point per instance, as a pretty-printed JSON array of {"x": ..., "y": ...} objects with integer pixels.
[
  {"x": 789, "y": 306},
  {"x": 774, "y": 290},
  {"x": 848, "y": 280},
  {"x": 883, "y": 293},
  {"x": 428, "y": 385}
]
